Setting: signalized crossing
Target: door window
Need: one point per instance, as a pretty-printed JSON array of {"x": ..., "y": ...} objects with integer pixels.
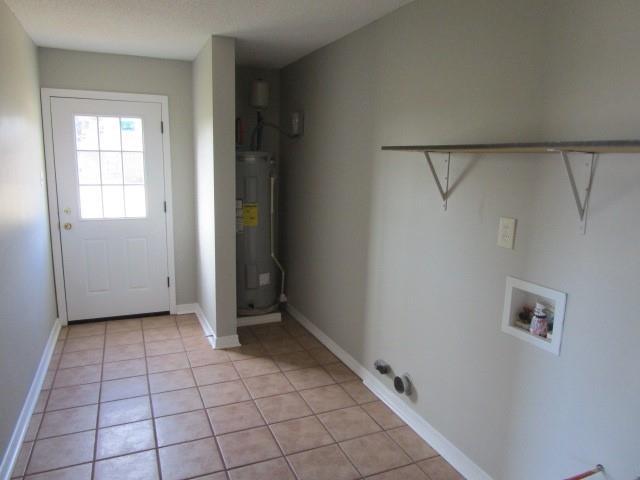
[{"x": 110, "y": 161}]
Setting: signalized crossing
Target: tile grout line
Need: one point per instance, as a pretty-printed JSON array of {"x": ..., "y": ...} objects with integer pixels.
[
  {"x": 153, "y": 420},
  {"x": 95, "y": 439}
]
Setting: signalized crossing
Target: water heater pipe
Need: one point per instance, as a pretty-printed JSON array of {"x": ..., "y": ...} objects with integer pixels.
[{"x": 283, "y": 297}]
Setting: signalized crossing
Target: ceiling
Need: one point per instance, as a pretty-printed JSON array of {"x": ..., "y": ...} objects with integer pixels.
[{"x": 269, "y": 33}]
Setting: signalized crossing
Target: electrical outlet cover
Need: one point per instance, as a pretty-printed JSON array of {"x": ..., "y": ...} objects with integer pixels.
[{"x": 507, "y": 232}]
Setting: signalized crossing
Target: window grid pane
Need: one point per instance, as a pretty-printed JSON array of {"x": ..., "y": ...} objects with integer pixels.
[{"x": 110, "y": 167}]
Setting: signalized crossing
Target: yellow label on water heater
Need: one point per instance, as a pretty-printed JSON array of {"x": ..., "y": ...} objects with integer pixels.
[{"x": 250, "y": 214}]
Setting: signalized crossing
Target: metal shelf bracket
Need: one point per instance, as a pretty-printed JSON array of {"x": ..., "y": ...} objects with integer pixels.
[
  {"x": 581, "y": 204},
  {"x": 443, "y": 186}
]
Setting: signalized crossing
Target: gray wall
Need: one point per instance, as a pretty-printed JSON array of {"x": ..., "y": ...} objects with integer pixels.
[
  {"x": 203, "y": 141},
  {"x": 129, "y": 74},
  {"x": 214, "y": 122},
  {"x": 378, "y": 266},
  {"x": 224, "y": 178},
  {"x": 27, "y": 297}
]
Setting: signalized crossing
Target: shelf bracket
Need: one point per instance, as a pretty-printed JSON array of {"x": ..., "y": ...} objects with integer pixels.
[
  {"x": 583, "y": 205},
  {"x": 443, "y": 187}
]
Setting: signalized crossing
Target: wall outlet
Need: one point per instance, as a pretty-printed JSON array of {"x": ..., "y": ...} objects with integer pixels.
[{"x": 507, "y": 232}]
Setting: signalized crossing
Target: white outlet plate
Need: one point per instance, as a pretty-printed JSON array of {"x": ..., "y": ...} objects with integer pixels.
[{"x": 507, "y": 232}]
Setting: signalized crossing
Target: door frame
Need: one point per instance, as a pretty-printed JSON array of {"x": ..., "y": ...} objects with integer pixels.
[{"x": 52, "y": 193}]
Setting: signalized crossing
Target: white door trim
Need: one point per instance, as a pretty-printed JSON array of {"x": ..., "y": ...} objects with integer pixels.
[{"x": 54, "y": 223}]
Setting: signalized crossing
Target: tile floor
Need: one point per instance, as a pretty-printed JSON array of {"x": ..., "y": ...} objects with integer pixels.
[{"x": 149, "y": 399}]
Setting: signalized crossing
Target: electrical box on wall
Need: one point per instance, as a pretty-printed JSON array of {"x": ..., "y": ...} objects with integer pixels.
[{"x": 507, "y": 232}]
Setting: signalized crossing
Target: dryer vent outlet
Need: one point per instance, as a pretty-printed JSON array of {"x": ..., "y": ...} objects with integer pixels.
[
  {"x": 402, "y": 384},
  {"x": 382, "y": 367}
]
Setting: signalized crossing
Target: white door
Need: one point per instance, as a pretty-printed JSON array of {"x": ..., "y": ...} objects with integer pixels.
[{"x": 110, "y": 187}]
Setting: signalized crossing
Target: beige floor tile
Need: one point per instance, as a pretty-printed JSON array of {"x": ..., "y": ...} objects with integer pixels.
[
  {"x": 139, "y": 466},
  {"x": 348, "y": 423},
  {"x": 323, "y": 355},
  {"x": 329, "y": 397},
  {"x": 78, "y": 472},
  {"x": 125, "y": 439},
  {"x": 75, "y": 396},
  {"x": 43, "y": 396},
  {"x": 246, "y": 352},
  {"x": 276, "y": 469},
  {"x": 294, "y": 329},
  {"x": 324, "y": 463},
  {"x": 195, "y": 343},
  {"x": 168, "y": 362},
  {"x": 294, "y": 361},
  {"x": 46, "y": 455},
  {"x": 234, "y": 417},
  {"x": 207, "y": 356},
  {"x": 61, "y": 422},
  {"x": 173, "y": 380},
  {"x": 190, "y": 459},
  {"x": 57, "y": 350},
  {"x": 374, "y": 453},
  {"x": 300, "y": 434},
  {"x": 34, "y": 425},
  {"x": 124, "y": 338},
  {"x": 187, "y": 319},
  {"x": 81, "y": 358},
  {"x": 248, "y": 446},
  {"x": 437, "y": 468},
  {"x": 124, "y": 369},
  {"x": 177, "y": 401},
  {"x": 308, "y": 341},
  {"x": 283, "y": 407},
  {"x": 209, "y": 374},
  {"x": 21, "y": 461},
  {"x": 359, "y": 392},
  {"x": 340, "y": 372},
  {"x": 268, "y": 385},
  {"x": 193, "y": 330},
  {"x": 86, "y": 330},
  {"x": 224, "y": 393},
  {"x": 183, "y": 427},
  {"x": 159, "y": 334},
  {"x": 48, "y": 379},
  {"x": 77, "y": 376},
  {"x": 125, "y": 325},
  {"x": 309, "y": 378},
  {"x": 165, "y": 346},
  {"x": 383, "y": 415},
  {"x": 123, "y": 352},
  {"x": 269, "y": 331},
  {"x": 410, "y": 472},
  {"x": 255, "y": 366},
  {"x": 163, "y": 321},
  {"x": 124, "y": 388},
  {"x": 124, "y": 411},
  {"x": 277, "y": 346},
  {"x": 412, "y": 444}
]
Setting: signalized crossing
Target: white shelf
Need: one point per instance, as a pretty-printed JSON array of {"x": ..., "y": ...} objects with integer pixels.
[{"x": 519, "y": 293}]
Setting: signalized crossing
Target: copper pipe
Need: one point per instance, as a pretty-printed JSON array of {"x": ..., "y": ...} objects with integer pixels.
[{"x": 599, "y": 468}]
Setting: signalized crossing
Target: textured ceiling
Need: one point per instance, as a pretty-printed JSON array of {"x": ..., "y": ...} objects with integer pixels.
[{"x": 270, "y": 33}]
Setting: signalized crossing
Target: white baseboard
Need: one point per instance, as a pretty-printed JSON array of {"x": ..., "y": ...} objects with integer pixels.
[
  {"x": 227, "y": 341},
  {"x": 13, "y": 448},
  {"x": 444, "y": 447},
  {"x": 260, "y": 319}
]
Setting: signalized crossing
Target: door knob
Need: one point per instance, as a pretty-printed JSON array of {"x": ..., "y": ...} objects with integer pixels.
[{"x": 67, "y": 226}]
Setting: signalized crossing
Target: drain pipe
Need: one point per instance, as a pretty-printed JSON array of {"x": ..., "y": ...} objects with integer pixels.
[{"x": 283, "y": 297}]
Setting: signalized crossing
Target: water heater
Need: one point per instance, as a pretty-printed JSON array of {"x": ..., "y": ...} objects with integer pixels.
[{"x": 258, "y": 275}]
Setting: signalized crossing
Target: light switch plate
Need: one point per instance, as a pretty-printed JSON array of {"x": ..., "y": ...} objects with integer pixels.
[{"x": 507, "y": 232}]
